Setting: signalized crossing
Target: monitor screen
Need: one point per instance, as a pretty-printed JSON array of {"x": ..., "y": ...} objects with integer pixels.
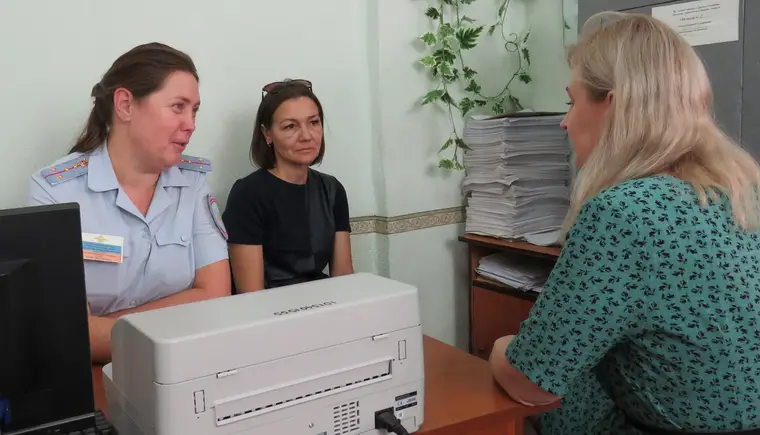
[{"x": 45, "y": 371}]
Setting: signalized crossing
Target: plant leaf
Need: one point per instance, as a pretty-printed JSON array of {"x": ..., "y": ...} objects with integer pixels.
[
  {"x": 452, "y": 43},
  {"x": 525, "y": 39},
  {"x": 525, "y": 77},
  {"x": 446, "y": 164},
  {"x": 428, "y": 38},
  {"x": 433, "y": 13},
  {"x": 446, "y": 98},
  {"x": 481, "y": 103},
  {"x": 432, "y": 96},
  {"x": 458, "y": 166},
  {"x": 461, "y": 144},
  {"x": 515, "y": 101},
  {"x": 449, "y": 2},
  {"x": 465, "y": 105},
  {"x": 502, "y": 8},
  {"x": 445, "y": 70},
  {"x": 444, "y": 56},
  {"x": 526, "y": 55},
  {"x": 468, "y": 72},
  {"x": 467, "y": 19},
  {"x": 429, "y": 61},
  {"x": 446, "y": 145},
  {"x": 497, "y": 108},
  {"x": 567, "y": 26},
  {"x": 473, "y": 87},
  {"x": 468, "y": 37},
  {"x": 446, "y": 30},
  {"x": 466, "y": 2},
  {"x": 491, "y": 30}
]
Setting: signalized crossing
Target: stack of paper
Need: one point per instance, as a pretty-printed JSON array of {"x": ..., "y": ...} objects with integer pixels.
[
  {"x": 519, "y": 273},
  {"x": 518, "y": 176}
]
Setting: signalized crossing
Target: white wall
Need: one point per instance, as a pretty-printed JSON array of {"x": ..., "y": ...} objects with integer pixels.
[
  {"x": 380, "y": 143},
  {"x": 54, "y": 52}
]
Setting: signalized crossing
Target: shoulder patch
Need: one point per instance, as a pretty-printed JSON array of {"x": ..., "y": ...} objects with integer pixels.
[
  {"x": 65, "y": 171},
  {"x": 213, "y": 207},
  {"x": 193, "y": 163}
]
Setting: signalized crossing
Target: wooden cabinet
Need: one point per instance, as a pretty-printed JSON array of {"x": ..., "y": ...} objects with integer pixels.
[{"x": 497, "y": 310}]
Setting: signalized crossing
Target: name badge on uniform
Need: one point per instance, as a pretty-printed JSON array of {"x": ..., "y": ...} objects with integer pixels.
[{"x": 98, "y": 247}]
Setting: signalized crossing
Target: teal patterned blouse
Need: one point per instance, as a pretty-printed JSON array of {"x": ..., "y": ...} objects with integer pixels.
[{"x": 650, "y": 311}]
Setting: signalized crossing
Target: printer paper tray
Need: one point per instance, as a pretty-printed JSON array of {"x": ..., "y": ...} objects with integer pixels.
[{"x": 301, "y": 390}]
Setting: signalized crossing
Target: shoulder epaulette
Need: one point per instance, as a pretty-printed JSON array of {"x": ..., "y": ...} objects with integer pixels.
[
  {"x": 65, "y": 171},
  {"x": 193, "y": 163}
]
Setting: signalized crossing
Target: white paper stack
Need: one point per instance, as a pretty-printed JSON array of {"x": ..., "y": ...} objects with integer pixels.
[
  {"x": 519, "y": 273},
  {"x": 518, "y": 176}
]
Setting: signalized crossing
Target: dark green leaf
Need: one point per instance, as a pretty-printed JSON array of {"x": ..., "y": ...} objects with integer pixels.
[
  {"x": 468, "y": 37},
  {"x": 444, "y": 56},
  {"x": 458, "y": 166},
  {"x": 467, "y": 19},
  {"x": 454, "y": 76},
  {"x": 515, "y": 101},
  {"x": 446, "y": 145},
  {"x": 473, "y": 87},
  {"x": 502, "y": 8},
  {"x": 491, "y": 30},
  {"x": 525, "y": 39},
  {"x": 481, "y": 103},
  {"x": 466, "y": 105},
  {"x": 432, "y": 96},
  {"x": 428, "y": 38},
  {"x": 525, "y": 77},
  {"x": 497, "y": 108},
  {"x": 433, "y": 13},
  {"x": 526, "y": 55},
  {"x": 461, "y": 144},
  {"x": 446, "y": 98},
  {"x": 567, "y": 26},
  {"x": 446, "y": 164},
  {"x": 468, "y": 72},
  {"x": 428, "y": 61},
  {"x": 449, "y": 2},
  {"x": 466, "y": 2}
]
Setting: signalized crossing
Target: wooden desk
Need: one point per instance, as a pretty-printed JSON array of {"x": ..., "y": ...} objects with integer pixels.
[
  {"x": 461, "y": 397},
  {"x": 497, "y": 310}
]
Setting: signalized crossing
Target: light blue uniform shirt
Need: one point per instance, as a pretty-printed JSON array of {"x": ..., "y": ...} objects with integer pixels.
[{"x": 182, "y": 231}]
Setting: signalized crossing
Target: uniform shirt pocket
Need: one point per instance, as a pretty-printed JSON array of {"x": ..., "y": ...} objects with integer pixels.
[
  {"x": 105, "y": 283},
  {"x": 173, "y": 259}
]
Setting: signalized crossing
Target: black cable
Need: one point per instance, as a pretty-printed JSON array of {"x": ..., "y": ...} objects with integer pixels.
[{"x": 387, "y": 420}]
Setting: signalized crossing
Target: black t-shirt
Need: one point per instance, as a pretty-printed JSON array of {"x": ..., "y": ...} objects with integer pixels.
[{"x": 294, "y": 223}]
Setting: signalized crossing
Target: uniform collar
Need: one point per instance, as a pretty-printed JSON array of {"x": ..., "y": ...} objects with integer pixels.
[{"x": 101, "y": 176}]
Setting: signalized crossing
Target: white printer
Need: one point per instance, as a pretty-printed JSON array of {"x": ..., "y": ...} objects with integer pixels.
[{"x": 327, "y": 357}]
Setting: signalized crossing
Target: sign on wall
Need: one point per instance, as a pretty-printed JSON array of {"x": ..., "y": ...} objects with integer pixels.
[{"x": 702, "y": 22}]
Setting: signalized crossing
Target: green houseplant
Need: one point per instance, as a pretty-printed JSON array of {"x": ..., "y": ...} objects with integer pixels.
[{"x": 453, "y": 34}]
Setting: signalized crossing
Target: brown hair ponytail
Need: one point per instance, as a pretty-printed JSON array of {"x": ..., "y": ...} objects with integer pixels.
[{"x": 142, "y": 71}]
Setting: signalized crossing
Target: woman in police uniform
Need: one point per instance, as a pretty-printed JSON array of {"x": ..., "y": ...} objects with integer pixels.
[{"x": 153, "y": 236}]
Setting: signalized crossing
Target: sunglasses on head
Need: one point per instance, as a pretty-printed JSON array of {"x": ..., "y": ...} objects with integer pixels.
[{"x": 274, "y": 87}]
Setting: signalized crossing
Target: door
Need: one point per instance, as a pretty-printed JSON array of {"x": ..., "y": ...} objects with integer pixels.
[{"x": 733, "y": 67}]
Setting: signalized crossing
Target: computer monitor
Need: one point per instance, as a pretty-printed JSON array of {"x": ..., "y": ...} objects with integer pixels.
[{"x": 45, "y": 365}]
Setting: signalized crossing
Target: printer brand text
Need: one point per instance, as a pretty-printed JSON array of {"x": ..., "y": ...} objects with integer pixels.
[{"x": 304, "y": 308}]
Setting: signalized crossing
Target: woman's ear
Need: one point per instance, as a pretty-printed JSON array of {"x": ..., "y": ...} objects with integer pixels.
[
  {"x": 122, "y": 104},
  {"x": 608, "y": 98},
  {"x": 266, "y": 134}
]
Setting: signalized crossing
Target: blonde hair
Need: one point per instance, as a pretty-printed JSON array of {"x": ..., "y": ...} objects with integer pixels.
[{"x": 660, "y": 120}]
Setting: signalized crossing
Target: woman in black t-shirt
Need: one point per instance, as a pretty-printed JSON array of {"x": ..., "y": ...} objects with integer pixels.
[{"x": 286, "y": 221}]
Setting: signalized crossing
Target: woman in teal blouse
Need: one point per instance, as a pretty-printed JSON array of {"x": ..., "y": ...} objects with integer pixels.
[{"x": 649, "y": 322}]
